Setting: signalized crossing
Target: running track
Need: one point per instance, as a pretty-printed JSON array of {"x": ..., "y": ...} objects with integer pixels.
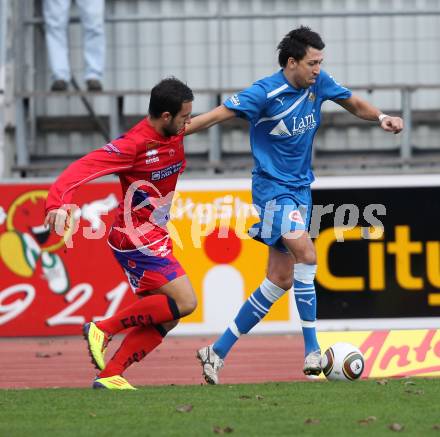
[{"x": 64, "y": 362}]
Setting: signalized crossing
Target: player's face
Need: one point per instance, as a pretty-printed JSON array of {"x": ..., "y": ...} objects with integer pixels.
[
  {"x": 308, "y": 68},
  {"x": 179, "y": 121}
]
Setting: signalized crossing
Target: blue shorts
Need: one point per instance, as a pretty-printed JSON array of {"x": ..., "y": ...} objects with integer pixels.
[{"x": 281, "y": 209}]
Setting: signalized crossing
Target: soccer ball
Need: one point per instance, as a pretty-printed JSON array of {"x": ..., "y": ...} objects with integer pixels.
[{"x": 343, "y": 362}]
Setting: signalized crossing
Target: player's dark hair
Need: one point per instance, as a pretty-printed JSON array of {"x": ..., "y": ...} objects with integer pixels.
[
  {"x": 168, "y": 96},
  {"x": 296, "y": 42}
]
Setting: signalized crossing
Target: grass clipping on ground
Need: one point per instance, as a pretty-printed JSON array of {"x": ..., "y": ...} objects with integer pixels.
[{"x": 373, "y": 407}]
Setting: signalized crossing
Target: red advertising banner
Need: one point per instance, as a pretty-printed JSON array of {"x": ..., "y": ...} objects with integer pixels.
[
  {"x": 46, "y": 289},
  {"x": 391, "y": 280}
]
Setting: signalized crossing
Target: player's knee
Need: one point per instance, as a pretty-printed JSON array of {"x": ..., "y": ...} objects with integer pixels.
[
  {"x": 310, "y": 258},
  {"x": 306, "y": 256},
  {"x": 282, "y": 280},
  {"x": 187, "y": 305},
  {"x": 168, "y": 326},
  {"x": 192, "y": 305}
]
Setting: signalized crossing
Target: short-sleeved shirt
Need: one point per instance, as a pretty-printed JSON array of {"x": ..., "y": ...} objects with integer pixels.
[{"x": 283, "y": 122}]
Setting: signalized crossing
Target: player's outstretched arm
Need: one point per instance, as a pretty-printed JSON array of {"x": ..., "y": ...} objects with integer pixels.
[
  {"x": 365, "y": 110},
  {"x": 208, "y": 119}
]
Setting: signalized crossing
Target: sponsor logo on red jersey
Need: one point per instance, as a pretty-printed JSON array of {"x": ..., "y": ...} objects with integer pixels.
[
  {"x": 166, "y": 172},
  {"x": 151, "y": 156}
]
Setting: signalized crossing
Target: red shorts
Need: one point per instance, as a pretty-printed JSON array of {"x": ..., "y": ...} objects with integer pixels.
[{"x": 149, "y": 268}]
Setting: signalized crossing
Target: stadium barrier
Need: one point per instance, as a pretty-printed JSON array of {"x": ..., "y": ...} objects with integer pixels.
[
  {"x": 376, "y": 238},
  {"x": 397, "y": 353}
]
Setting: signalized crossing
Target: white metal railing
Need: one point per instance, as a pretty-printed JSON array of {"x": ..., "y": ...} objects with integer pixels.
[
  {"x": 116, "y": 105},
  {"x": 3, "y": 21},
  {"x": 24, "y": 101}
]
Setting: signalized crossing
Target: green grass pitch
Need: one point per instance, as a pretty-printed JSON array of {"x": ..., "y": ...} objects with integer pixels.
[{"x": 273, "y": 409}]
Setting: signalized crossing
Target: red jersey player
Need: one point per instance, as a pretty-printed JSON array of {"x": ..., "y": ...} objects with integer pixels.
[{"x": 148, "y": 160}]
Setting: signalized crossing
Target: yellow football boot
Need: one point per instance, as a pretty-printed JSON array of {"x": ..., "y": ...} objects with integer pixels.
[
  {"x": 97, "y": 342},
  {"x": 116, "y": 382}
]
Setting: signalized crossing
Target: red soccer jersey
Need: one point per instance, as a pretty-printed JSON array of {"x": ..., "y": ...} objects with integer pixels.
[{"x": 144, "y": 158}]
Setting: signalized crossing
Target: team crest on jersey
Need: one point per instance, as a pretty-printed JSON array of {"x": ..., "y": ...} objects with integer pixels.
[
  {"x": 312, "y": 97},
  {"x": 131, "y": 264},
  {"x": 295, "y": 216},
  {"x": 171, "y": 152}
]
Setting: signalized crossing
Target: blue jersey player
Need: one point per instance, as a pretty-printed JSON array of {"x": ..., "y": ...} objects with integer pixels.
[{"x": 284, "y": 113}]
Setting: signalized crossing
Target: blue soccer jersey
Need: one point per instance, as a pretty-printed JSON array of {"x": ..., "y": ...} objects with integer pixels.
[{"x": 283, "y": 122}]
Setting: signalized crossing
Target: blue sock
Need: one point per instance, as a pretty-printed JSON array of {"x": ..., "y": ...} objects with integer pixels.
[
  {"x": 305, "y": 297},
  {"x": 252, "y": 311}
]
